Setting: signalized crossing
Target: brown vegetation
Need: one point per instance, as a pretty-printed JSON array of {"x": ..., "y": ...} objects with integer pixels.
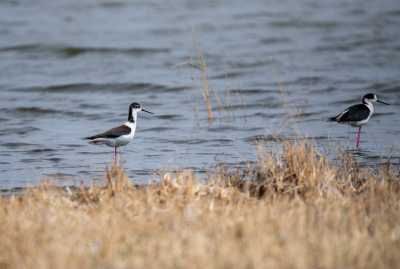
[{"x": 294, "y": 210}]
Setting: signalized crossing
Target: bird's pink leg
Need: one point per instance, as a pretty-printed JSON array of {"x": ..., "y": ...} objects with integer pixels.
[{"x": 358, "y": 137}]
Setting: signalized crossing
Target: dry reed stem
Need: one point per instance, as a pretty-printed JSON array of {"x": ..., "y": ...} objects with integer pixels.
[
  {"x": 292, "y": 210},
  {"x": 206, "y": 87}
]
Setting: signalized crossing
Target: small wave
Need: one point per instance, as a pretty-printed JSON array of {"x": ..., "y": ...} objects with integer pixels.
[
  {"x": 72, "y": 145},
  {"x": 255, "y": 139},
  {"x": 18, "y": 130},
  {"x": 166, "y": 31},
  {"x": 391, "y": 89},
  {"x": 16, "y": 145},
  {"x": 394, "y": 13},
  {"x": 228, "y": 75},
  {"x": 250, "y": 91},
  {"x": 365, "y": 154},
  {"x": 91, "y": 106},
  {"x": 275, "y": 40},
  {"x": 54, "y": 159},
  {"x": 266, "y": 103},
  {"x": 240, "y": 64},
  {"x": 185, "y": 141},
  {"x": 302, "y": 115},
  {"x": 300, "y": 23},
  {"x": 38, "y": 111},
  {"x": 113, "y": 4},
  {"x": 41, "y": 150},
  {"x": 12, "y": 191},
  {"x": 346, "y": 102},
  {"x": 323, "y": 90},
  {"x": 260, "y": 14},
  {"x": 30, "y": 160},
  {"x": 73, "y": 51},
  {"x": 268, "y": 115},
  {"x": 220, "y": 142},
  {"x": 60, "y": 176},
  {"x": 158, "y": 129},
  {"x": 385, "y": 87},
  {"x": 107, "y": 87},
  {"x": 224, "y": 128},
  {"x": 35, "y": 110},
  {"x": 345, "y": 46},
  {"x": 307, "y": 80},
  {"x": 380, "y": 114},
  {"x": 169, "y": 117}
]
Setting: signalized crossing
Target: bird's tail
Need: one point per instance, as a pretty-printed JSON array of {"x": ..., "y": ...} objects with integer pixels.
[
  {"x": 91, "y": 137},
  {"x": 333, "y": 118},
  {"x": 98, "y": 141}
]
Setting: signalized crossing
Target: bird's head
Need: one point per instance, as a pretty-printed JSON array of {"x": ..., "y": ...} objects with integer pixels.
[
  {"x": 136, "y": 107},
  {"x": 372, "y": 97}
]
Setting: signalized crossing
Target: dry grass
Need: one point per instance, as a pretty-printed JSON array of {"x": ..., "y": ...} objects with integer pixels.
[{"x": 295, "y": 210}]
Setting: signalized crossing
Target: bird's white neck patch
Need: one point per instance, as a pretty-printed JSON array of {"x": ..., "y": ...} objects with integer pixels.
[
  {"x": 134, "y": 116},
  {"x": 130, "y": 124},
  {"x": 369, "y": 104}
]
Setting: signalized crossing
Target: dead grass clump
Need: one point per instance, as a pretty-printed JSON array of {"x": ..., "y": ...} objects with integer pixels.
[
  {"x": 300, "y": 171},
  {"x": 289, "y": 210}
]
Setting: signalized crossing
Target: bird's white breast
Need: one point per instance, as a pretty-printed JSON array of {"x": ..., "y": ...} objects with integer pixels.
[
  {"x": 125, "y": 139},
  {"x": 362, "y": 122},
  {"x": 371, "y": 108}
]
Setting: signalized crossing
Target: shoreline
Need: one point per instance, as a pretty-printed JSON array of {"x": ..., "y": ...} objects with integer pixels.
[{"x": 289, "y": 210}]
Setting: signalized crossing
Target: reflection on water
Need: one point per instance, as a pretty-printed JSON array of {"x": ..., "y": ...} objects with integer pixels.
[
  {"x": 277, "y": 69},
  {"x": 373, "y": 158}
]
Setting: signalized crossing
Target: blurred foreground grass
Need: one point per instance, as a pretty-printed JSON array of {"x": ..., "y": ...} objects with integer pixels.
[{"x": 292, "y": 210}]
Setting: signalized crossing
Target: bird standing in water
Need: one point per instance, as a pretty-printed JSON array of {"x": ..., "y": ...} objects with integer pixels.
[
  {"x": 121, "y": 135},
  {"x": 358, "y": 115}
]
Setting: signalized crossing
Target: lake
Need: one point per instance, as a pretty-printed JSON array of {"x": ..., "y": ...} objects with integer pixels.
[{"x": 277, "y": 70}]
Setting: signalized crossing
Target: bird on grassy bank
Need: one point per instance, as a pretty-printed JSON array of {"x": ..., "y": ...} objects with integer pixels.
[
  {"x": 358, "y": 115},
  {"x": 121, "y": 135}
]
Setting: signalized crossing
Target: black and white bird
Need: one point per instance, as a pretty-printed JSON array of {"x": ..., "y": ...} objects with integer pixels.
[
  {"x": 358, "y": 115},
  {"x": 121, "y": 135}
]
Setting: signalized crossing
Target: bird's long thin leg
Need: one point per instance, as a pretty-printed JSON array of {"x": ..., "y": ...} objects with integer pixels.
[
  {"x": 115, "y": 155},
  {"x": 358, "y": 137}
]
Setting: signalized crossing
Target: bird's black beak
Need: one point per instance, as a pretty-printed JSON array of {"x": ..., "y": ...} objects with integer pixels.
[
  {"x": 147, "y": 111},
  {"x": 379, "y": 101}
]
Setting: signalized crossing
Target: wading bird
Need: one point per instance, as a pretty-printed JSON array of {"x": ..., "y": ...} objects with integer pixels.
[
  {"x": 121, "y": 135},
  {"x": 358, "y": 115}
]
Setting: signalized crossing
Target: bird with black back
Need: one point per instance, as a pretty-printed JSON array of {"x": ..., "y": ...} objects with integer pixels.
[
  {"x": 121, "y": 135},
  {"x": 359, "y": 115}
]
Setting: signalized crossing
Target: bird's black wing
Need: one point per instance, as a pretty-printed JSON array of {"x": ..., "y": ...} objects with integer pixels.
[
  {"x": 112, "y": 133},
  {"x": 354, "y": 113}
]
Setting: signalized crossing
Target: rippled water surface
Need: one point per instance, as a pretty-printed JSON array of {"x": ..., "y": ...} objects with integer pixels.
[{"x": 70, "y": 68}]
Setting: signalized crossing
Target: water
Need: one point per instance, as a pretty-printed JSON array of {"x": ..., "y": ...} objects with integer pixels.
[{"x": 70, "y": 68}]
